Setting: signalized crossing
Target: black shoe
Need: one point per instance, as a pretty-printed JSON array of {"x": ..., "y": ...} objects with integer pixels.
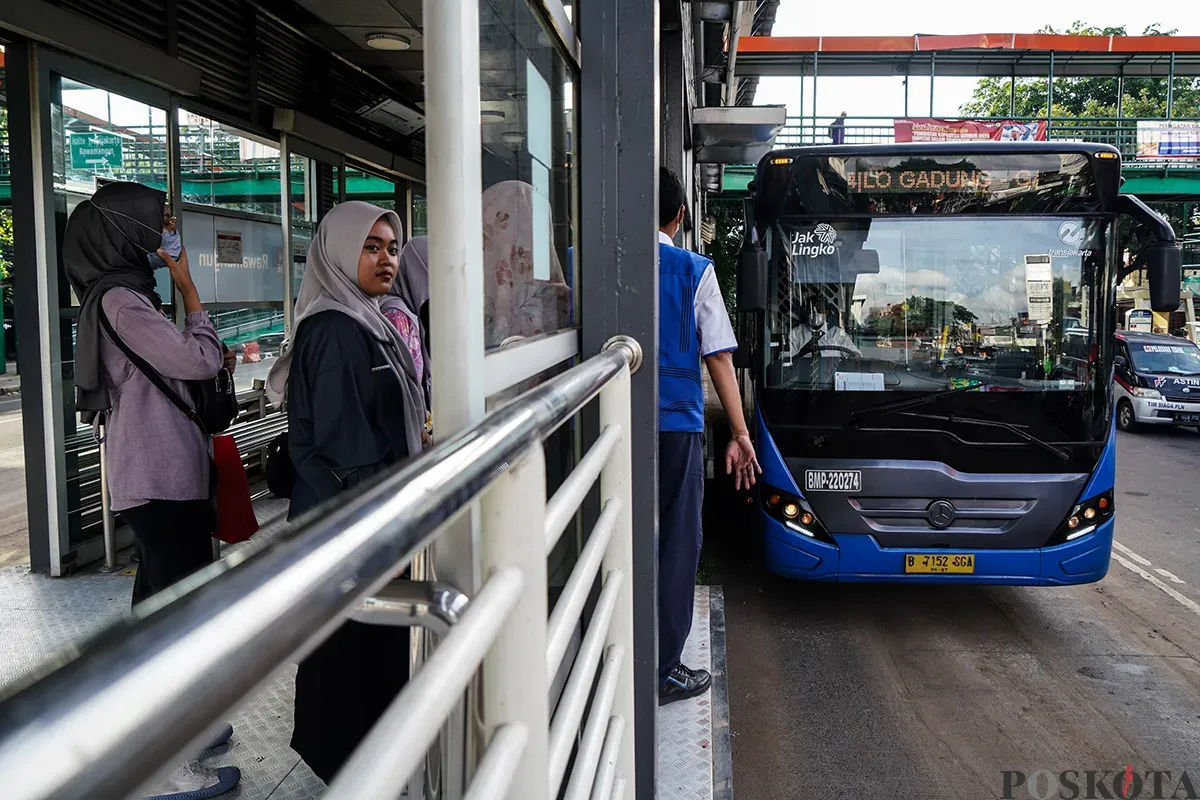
[{"x": 683, "y": 683}]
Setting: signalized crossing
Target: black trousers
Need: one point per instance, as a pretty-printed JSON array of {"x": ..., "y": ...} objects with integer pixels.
[
  {"x": 173, "y": 539},
  {"x": 680, "y": 502},
  {"x": 342, "y": 688}
]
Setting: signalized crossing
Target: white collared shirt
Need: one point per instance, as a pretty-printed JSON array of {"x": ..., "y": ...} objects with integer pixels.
[{"x": 712, "y": 320}]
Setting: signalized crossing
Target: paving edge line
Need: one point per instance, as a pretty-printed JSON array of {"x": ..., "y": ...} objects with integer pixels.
[{"x": 722, "y": 741}]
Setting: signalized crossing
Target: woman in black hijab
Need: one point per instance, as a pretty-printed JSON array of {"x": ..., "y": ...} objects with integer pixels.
[
  {"x": 108, "y": 243},
  {"x": 157, "y": 459}
]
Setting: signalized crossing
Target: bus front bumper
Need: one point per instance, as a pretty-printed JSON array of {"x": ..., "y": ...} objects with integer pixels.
[{"x": 858, "y": 557}]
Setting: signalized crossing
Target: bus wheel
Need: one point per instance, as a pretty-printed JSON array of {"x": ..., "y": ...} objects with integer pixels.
[{"x": 1126, "y": 420}]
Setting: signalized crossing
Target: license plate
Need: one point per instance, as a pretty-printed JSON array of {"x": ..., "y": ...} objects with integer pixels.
[
  {"x": 1188, "y": 419},
  {"x": 833, "y": 480},
  {"x": 939, "y": 564}
]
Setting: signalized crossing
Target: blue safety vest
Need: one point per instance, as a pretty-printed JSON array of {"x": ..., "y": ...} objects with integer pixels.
[{"x": 680, "y": 387}]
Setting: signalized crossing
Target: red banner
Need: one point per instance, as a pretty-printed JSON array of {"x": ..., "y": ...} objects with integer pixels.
[{"x": 941, "y": 130}]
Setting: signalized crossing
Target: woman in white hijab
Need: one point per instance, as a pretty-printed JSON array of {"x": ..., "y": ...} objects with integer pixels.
[{"x": 355, "y": 409}]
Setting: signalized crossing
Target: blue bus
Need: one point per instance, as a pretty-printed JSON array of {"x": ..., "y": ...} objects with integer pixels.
[{"x": 927, "y": 336}]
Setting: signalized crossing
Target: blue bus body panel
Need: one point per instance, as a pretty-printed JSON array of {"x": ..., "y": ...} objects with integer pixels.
[
  {"x": 860, "y": 557},
  {"x": 774, "y": 468}
]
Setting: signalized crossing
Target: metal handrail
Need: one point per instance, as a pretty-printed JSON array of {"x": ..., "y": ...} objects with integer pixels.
[{"x": 101, "y": 719}]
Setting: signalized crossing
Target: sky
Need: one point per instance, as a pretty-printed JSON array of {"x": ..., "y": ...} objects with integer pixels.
[{"x": 884, "y": 97}]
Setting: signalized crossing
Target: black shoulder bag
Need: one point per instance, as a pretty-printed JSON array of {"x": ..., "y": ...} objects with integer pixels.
[{"x": 214, "y": 401}]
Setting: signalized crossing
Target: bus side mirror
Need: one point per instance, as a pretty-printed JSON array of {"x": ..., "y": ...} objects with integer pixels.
[
  {"x": 752, "y": 279},
  {"x": 1162, "y": 255},
  {"x": 1164, "y": 268},
  {"x": 1120, "y": 363}
]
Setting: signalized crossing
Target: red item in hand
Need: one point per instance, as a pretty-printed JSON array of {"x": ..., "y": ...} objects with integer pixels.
[{"x": 235, "y": 511}]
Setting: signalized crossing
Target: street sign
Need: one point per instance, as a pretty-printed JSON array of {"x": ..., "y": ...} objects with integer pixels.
[{"x": 95, "y": 150}]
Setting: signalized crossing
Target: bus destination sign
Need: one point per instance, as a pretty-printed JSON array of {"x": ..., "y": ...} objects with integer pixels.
[{"x": 948, "y": 180}]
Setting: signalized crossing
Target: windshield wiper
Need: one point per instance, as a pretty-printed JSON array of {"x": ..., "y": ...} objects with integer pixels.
[
  {"x": 859, "y": 417},
  {"x": 1061, "y": 454}
]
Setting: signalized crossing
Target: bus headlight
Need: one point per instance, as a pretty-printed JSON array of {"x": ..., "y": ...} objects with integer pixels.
[
  {"x": 794, "y": 513},
  {"x": 1148, "y": 394},
  {"x": 1084, "y": 518}
]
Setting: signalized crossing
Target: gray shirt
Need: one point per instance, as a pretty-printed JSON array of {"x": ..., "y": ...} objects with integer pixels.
[{"x": 154, "y": 452}]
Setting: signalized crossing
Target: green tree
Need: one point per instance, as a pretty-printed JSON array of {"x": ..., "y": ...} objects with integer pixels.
[
  {"x": 729, "y": 216},
  {"x": 1086, "y": 97}
]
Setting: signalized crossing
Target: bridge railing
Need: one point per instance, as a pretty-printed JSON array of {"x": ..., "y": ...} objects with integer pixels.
[
  {"x": 1121, "y": 132},
  {"x": 102, "y": 719},
  {"x": 239, "y": 324}
]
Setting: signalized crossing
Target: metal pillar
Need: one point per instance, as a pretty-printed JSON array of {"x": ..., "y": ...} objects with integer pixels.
[
  {"x": 674, "y": 110},
  {"x": 932, "y": 73},
  {"x": 1171, "y": 86},
  {"x": 174, "y": 196},
  {"x": 455, "y": 181},
  {"x": 816, "y": 69},
  {"x": 801, "y": 105},
  {"x": 906, "y": 95},
  {"x": 1120, "y": 96},
  {"x": 39, "y": 356},
  {"x": 618, "y": 155},
  {"x": 285, "y": 222},
  {"x": 110, "y": 535},
  {"x": 1050, "y": 96},
  {"x": 1012, "y": 95}
]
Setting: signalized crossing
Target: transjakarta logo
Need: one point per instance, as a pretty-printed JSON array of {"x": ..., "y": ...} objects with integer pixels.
[
  {"x": 1120, "y": 784},
  {"x": 1071, "y": 234},
  {"x": 817, "y": 242}
]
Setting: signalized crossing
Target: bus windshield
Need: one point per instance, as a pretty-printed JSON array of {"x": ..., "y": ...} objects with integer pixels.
[{"x": 932, "y": 303}]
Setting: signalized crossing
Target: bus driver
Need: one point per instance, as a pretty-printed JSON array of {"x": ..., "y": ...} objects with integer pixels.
[{"x": 815, "y": 324}]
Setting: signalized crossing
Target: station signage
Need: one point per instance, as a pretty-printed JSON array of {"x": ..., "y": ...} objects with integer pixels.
[{"x": 96, "y": 150}]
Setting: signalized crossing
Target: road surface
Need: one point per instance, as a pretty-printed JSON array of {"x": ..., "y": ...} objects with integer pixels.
[{"x": 923, "y": 692}]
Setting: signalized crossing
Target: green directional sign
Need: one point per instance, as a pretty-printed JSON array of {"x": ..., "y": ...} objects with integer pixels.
[{"x": 95, "y": 150}]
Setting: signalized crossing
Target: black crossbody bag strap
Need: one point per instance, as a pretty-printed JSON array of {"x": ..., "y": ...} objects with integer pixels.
[{"x": 152, "y": 374}]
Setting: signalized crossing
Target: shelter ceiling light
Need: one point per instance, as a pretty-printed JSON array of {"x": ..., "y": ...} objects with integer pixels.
[{"x": 388, "y": 41}]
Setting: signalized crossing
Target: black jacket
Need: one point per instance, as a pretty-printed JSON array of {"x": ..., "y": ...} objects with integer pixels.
[{"x": 345, "y": 410}]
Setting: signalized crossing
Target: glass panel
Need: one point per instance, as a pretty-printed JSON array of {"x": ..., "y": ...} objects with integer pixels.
[
  {"x": 420, "y": 212},
  {"x": 304, "y": 218},
  {"x": 314, "y": 190},
  {"x": 224, "y": 168},
  {"x": 14, "y": 539},
  {"x": 237, "y": 261},
  {"x": 96, "y": 137},
  {"x": 528, "y": 227}
]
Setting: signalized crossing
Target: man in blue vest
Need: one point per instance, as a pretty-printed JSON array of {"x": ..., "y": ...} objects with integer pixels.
[{"x": 692, "y": 325}]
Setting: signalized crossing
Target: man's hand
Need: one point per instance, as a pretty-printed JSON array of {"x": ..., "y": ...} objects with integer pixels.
[
  {"x": 230, "y": 360},
  {"x": 741, "y": 461}
]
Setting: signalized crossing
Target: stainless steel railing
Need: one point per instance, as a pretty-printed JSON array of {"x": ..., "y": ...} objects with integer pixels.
[{"x": 101, "y": 719}]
